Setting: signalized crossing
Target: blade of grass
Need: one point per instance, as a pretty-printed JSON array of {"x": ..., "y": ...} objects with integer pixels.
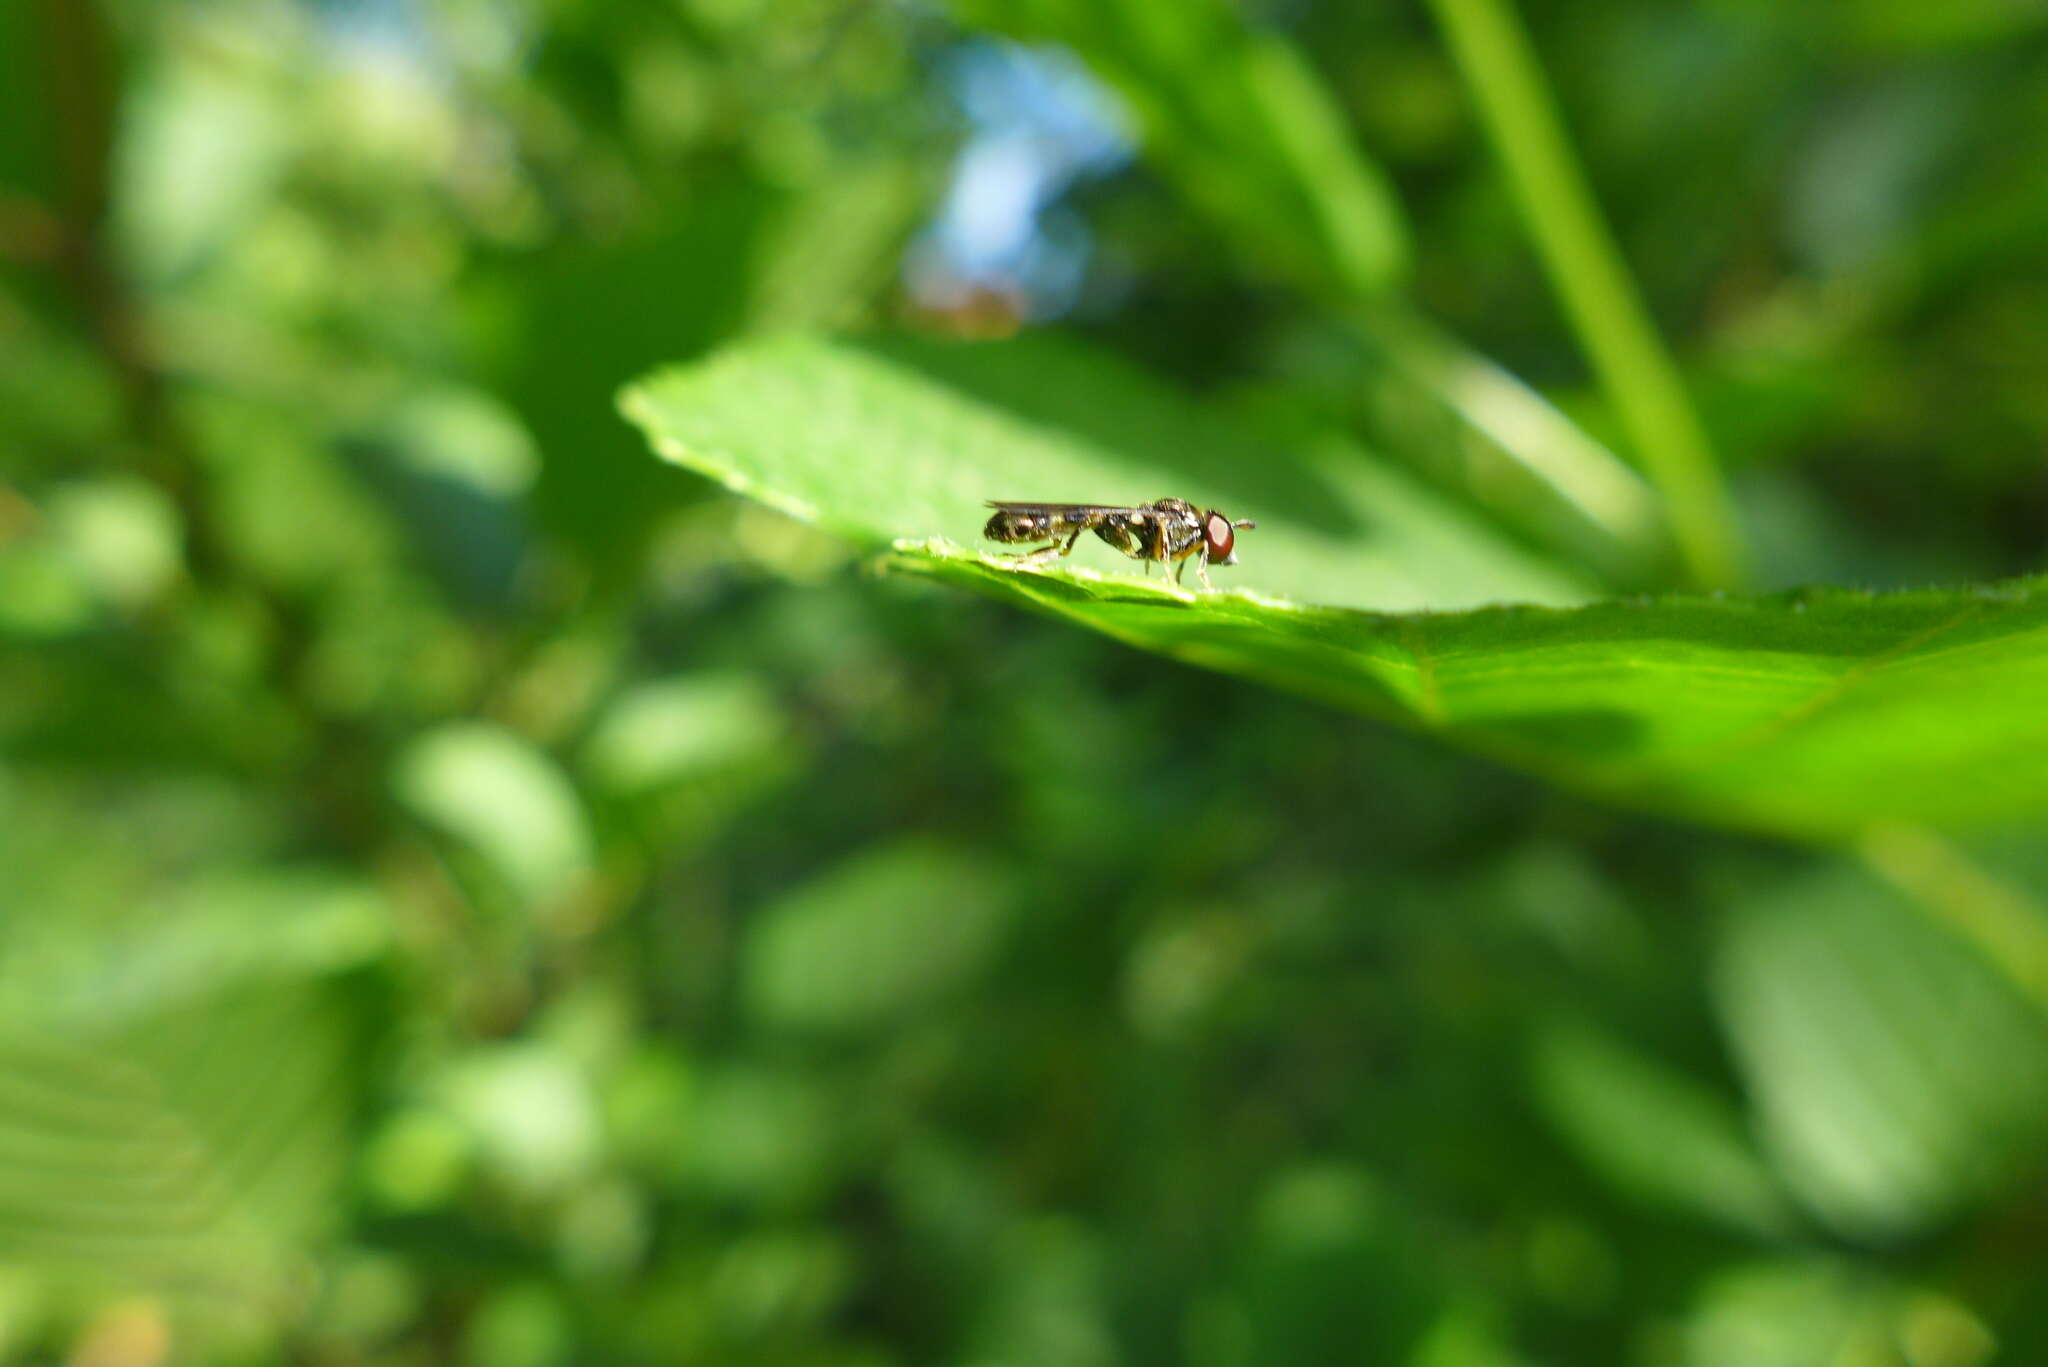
[
  {"x": 1500, "y": 69},
  {"x": 1511, "y": 452}
]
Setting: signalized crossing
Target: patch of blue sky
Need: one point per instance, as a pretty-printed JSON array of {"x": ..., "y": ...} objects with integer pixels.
[{"x": 1040, "y": 123}]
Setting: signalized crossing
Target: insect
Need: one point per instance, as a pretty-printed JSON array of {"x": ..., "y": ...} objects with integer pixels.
[{"x": 1171, "y": 529}]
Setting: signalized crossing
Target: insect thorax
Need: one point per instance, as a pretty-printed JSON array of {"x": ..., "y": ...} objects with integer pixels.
[
  {"x": 1133, "y": 536},
  {"x": 1180, "y": 526}
]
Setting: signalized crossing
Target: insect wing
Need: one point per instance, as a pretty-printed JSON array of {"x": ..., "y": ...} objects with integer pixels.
[{"x": 1071, "y": 511}]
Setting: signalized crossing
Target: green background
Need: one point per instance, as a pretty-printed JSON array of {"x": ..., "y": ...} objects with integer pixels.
[{"x": 474, "y": 890}]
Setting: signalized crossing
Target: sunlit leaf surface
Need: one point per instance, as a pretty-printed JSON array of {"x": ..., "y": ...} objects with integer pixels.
[
  {"x": 909, "y": 439},
  {"x": 1810, "y": 713}
]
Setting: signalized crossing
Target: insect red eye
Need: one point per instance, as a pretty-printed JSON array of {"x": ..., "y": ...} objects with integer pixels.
[{"x": 1221, "y": 536}]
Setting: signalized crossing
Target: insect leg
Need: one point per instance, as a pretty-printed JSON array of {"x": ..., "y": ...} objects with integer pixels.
[{"x": 1033, "y": 557}]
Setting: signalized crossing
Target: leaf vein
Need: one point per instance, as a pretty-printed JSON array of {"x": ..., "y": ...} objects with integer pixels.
[{"x": 1863, "y": 670}]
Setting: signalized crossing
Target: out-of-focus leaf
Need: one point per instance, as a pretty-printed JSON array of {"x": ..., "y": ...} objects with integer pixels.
[
  {"x": 56, "y": 395},
  {"x": 1896, "y": 1076},
  {"x": 181, "y": 1031},
  {"x": 91, "y": 546},
  {"x": 267, "y": 1077},
  {"x": 1045, "y": 1303},
  {"x": 766, "y": 1284},
  {"x": 875, "y": 939},
  {"x": 454, "y": 467},
  {"x": 1858, "y": 195},
  {"x": 683, "y": 729},
  {"x": 43, "y": 593},
  {"x": 1654, "y": 1132},
  {"x": 521, "y": 1325},
  {"x": 1813, "y": 713},
  {"x": 286, "y": 509},
  {"x": 122, "y": 534},
  {"x": 191, "y": 1152},
  {"x": 685, "y": 757},
  {"x": 417, "y": 1159},
  {"x": 225, "y": 928},
  {"x": 760, "y": 1134},
  {"x": 1242, "y": 123},
  {"x": 1798, "y": 1314},
  {"x": 532, "y": 1113},
  {"x": 1325, "y": 1274},
  {"x": 502, "y": 799},
  {"x": 170, "y": 219}
]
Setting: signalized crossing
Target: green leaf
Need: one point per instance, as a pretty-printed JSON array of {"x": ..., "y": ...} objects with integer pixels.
[
  {"x": 880, "y": 443},
  {"x": 195, "y": 1152},
  {"x": 875, "y": 939},
  {"x": 1812, "y": 713},
  {"x": 501, "y": 798},
  {"x": 1652, "y": 1131},
  {"x": 680, "y": 730},
  {"x": 1896, "y": 1075},
  {"x": 1794, "y": 1312},
  {"x": 531, "y": 1111},
  {"x": 227, "y": 927},
  {"x": 182, "y": 1030},
  {"x": 679, "y": 760}
]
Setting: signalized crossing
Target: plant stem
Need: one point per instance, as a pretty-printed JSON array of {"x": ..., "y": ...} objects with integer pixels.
[
  {"x": 1998, "y": 920},
  {"x": 1500, "y": 69}
]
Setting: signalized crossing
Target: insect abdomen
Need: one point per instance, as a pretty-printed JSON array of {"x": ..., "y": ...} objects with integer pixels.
[{"x": 1013, "y": 527}]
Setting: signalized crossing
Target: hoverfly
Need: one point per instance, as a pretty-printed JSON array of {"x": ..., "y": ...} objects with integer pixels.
[{"x": 1170, "y": 529}]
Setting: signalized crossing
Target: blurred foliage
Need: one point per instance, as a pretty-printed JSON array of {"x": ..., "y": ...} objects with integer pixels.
[
  {"x": 471, "y": 892},
  {"x": 1257, "y": 142}
]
